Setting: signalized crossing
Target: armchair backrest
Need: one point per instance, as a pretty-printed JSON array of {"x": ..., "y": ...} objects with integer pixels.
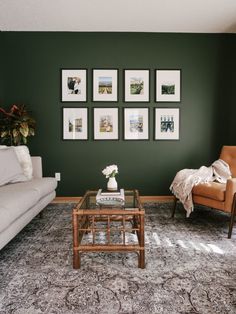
[{"x": 228, "y": 154}]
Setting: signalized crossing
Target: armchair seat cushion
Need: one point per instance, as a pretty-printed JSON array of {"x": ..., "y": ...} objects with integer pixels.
[{"x": 212, "y": 190}]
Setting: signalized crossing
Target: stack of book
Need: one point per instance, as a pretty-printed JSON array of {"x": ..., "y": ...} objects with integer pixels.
[
  {"x": 110, "y": 198},
  {"x": 110, "y": 193}
]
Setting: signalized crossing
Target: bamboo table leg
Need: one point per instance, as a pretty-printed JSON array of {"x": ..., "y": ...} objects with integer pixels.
[
  {"x": 76, "y": 260},
  {"x": 141, "y": 262},
  {"x": 76, "y": 255}
]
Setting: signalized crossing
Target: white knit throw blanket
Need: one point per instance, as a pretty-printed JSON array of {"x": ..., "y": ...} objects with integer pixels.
[{"x": 185, "y": 180}]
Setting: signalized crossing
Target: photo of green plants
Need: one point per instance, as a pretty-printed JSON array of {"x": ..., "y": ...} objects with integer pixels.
[
  {"x": 136, "y": 86},
  {"x": 168, "y": 89}
]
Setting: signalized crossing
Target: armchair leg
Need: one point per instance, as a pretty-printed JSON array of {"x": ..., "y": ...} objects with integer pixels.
[
  {"x": 233, "y": 212},
  {"x": 174, "y": 207}
]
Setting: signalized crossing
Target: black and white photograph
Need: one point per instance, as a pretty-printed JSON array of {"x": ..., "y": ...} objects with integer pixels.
[
  {"x": 166, "y": 124},
  {"x": 136, "y": 123},
  {"x": 105, "y": 85},
  {"x": 75, "y": 123},
  {"x": 105, "y": 123},
  {"x": 168, "y": 85},
  {"x": 136, "y": 85},
  {"x": 73, "y": 85}
]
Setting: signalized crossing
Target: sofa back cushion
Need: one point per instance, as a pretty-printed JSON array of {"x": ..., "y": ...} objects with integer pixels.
[
  {"x": 10, "y": 168},
  {"x": 23, "y": 155},
  {"x": 228, "y": 154},
  {"x": 24, "y": 158}
]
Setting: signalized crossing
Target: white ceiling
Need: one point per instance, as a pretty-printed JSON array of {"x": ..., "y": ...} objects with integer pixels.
[{"x": 201, "y": 16}]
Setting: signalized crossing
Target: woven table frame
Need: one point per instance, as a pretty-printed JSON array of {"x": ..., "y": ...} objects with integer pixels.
[{"x": 107, "y": 221}]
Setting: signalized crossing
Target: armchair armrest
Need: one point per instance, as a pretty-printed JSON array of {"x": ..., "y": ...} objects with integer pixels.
[
  {"x": 229, "y": 193},
  {"x": 37, "y": 166}
]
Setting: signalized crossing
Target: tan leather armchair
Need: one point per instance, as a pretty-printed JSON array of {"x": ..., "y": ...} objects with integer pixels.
[{"x": 218, "y": 195}]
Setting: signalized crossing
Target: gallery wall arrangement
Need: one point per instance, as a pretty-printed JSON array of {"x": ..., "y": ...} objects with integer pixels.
[
  {"x": 202, "y": 81},
  {"x": 106, "y": 121}
]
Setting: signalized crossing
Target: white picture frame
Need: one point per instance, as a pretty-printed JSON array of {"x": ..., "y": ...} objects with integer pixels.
[
  {"x": 105, "y": 85},
  {"x": 106, "y": 123},
  {"x": 136, "y": 85},
  {"x": 136, "y": 123},
  {"x": 167, "y": 124},
  {"x": 168, "y": 86},
  {"x": 73, "y": 85},
  {"x": 75, "y": 123}
]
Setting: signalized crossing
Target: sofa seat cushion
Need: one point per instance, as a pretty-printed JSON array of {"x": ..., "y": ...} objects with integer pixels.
[
  {"x": 18, "y": 198},
  {"x": 43, "y": 186},
  {"x": 15, "y": 200},
  {"x": 212, "y": 190}
]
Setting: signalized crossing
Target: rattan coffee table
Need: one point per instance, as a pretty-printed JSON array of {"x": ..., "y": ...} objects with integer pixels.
[{"x": 121, "y": 228}]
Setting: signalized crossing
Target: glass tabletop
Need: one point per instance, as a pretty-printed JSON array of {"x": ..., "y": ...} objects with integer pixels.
[{"x": 131, "y": 200}]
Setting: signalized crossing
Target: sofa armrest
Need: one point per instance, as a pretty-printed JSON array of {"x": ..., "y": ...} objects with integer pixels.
[
  {"x": 37, "y": 166},
  {"x": 229, "y": 196}
]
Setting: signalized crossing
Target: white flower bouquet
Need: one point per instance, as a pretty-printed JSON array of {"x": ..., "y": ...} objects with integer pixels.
[{"x": 110, "y": 171}]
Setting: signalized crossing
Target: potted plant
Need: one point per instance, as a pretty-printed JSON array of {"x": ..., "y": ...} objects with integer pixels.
[
  {"x": 16, "y": 125},
  {"x": 110, "y": 172}
]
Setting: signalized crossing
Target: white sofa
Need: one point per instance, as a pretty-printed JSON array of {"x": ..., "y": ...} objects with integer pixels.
[{"x": 21, "y": 202}]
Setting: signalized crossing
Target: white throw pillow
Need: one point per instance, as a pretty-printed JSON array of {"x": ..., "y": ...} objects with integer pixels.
[
  {"x": 10, "y": 170},
  {"x": 23, "y": 155}
]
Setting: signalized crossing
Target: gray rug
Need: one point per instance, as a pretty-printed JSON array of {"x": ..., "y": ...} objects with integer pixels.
[{"x": 190, "y": 268}]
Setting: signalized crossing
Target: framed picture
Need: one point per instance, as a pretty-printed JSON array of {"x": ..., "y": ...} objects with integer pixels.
[
  {"x": 105, "y": 85},
  {"x": 75, "y": 123},
  {"x": 105, "y": 121},
  {"x": 136, "y": 85},
  {"x": 166, "y": 124},
  {"x": 168, "y": 85},
  {"x": 73, "y": 85},
  {"x": 136, "y": 123}
]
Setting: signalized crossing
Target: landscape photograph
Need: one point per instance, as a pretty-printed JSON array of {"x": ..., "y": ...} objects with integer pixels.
[
  {"x": 136, "y": 86},
  {"x": 168, "y": 89},
  {"x": 105, "y": 85}
]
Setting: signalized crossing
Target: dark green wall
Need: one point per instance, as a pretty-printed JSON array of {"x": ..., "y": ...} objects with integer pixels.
[
  {"x": 228, "y": 89},
  {"x": 1, "y": 69},
  {"x": 33, "y": 71}
]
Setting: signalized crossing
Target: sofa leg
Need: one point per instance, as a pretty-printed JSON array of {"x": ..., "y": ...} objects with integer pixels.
[
  {"x": 233, "y": 212},
  {"x": 174, "y": 207}
]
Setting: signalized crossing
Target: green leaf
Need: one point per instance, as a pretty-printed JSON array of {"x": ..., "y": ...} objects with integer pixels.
[
  {"x": 24, "y": 129},
  {"x": 16, "y": 125},
  {"x": 4, "y": 134},
  {"x": 31, "y": 132},
  {"x": 15, "y": 133},
  {"x": 17, "y": 140}
]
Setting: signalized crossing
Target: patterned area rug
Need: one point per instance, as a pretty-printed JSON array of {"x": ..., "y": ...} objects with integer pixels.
[{"x": 190, "y": 268}]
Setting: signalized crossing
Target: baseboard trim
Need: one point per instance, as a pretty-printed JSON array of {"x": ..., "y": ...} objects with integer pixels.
[
  {"x": 155, "y": 198},
  {"x": 67, "y": 199}
]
